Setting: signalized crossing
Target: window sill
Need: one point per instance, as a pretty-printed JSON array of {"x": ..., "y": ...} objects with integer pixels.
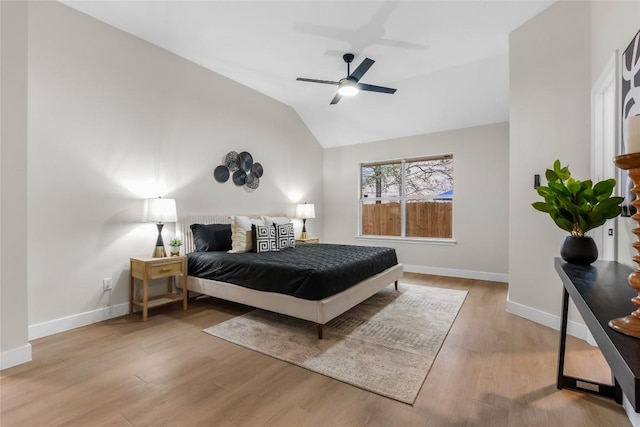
[{"x": 418, "y": 240}]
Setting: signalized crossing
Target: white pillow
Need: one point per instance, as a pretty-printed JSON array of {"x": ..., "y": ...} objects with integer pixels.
[
  {"x": 271, "y": 220},
  {"x": 241, "y": 233}
]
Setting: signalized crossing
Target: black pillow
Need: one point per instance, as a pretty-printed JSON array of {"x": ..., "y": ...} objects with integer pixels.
[{"x": 211, "y": 237}]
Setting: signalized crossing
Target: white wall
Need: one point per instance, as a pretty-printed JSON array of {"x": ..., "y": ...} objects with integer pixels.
[
  {"x": 613, "y": 25},
  {"x": 552, "y": 68},
  {"x": 114, "y": 119},
  {"x": 549, "y": 119},
  {"x": 480, "y": 159},
  {"x": 14, "y": 344}
]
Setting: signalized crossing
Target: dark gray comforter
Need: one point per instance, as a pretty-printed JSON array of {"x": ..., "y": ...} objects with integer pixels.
[{"x": 310, "y": 271}]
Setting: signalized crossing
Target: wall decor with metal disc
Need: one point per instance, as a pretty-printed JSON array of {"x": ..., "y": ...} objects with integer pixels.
[
  {"x": 257, "y": 169},
  {"x": 246, "y": 161},
  {"x": 239, "y": 177},
  {"x": 252, "y": 182},
  {"x": 232, "y": 161},
  {"x": 241, "y": 169},
  {"x": 221, "y": 173}
]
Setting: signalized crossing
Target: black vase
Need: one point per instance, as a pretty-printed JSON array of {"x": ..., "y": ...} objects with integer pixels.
[{"x": 579, "y": 250}]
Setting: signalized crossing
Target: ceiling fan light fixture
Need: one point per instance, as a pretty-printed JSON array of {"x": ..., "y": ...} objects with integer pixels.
[
  {"x": 350, "y": 85},
  {"x": 348, "y": 89}
]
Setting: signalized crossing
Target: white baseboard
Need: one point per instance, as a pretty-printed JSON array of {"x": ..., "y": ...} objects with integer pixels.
[
  {"x": 452, "y": 272},
  {"x": 77, "y": 320},
  {"x": 16, "y": 356},
  {"x": 634, "y": 417},
  {"x": 575, "y": 329}
]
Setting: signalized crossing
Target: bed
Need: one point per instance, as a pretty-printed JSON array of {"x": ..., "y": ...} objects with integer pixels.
[{"x": 268, "y": 280}]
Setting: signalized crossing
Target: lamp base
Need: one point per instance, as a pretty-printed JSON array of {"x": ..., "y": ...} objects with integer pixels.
[
  {"x": 159, "y": 252},
  {"x": 628, "y": 325},
  {"x": 303, "y": 235}
]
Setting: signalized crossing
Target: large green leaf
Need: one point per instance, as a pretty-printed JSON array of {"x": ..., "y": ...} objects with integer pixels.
[
  {"x": 564, "y": 224},
  {"x": 608, "y": 203},
  {"x": 574, "y": 186},
  {"x": 543, "y": 191},
  {"x": 604, "y": 187},
  {"x": 542, "y": 207},
  {"x": 559, "y": 189}
]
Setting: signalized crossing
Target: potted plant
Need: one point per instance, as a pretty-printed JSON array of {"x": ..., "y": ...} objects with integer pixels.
[
  {"x": 175, "y": 244},
  {"x": 577, "y": 207}
]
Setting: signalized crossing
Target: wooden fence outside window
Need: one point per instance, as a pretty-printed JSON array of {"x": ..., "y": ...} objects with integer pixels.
[{"x": 424, "y": 219}]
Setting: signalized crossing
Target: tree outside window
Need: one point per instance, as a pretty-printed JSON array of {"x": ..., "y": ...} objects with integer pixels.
[{"x": 408, "y": 197}]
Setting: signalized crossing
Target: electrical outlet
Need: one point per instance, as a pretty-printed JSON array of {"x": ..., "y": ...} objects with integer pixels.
[{"x": 107, "y": 285}]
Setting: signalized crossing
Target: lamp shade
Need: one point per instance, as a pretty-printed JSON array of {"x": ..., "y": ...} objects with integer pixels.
[
  {"x": 633, "y": 134},
  {"x": 160, "y": 210},
  {"x": 305, "y": 211}
]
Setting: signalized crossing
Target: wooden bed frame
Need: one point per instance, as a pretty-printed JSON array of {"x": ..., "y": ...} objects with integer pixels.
[{"x": 320, "y": 312}]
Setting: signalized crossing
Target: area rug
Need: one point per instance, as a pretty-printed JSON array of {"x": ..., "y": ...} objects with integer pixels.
[{"x": 385, "y": 345}]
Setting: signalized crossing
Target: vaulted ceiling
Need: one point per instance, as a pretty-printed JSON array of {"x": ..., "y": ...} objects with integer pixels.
[{"x": 448, "y": 60}]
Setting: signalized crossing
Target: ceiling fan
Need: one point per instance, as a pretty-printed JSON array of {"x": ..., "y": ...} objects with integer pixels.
[{"x": 351, "y": 85}]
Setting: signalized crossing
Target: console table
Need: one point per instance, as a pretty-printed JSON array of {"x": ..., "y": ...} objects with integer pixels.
[{"x": 601, "y": 292}]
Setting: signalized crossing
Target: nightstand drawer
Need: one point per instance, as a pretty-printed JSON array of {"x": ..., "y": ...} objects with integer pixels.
[
  {"x": 165, "y": 270},
  {"x": 307, "y": 240}
]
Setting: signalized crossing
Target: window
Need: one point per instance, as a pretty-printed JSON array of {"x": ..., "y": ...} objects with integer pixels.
[{"x": 407, "y": 198}]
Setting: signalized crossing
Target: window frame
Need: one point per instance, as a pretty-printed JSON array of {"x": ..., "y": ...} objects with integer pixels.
[{"x": 402, "y": 199}]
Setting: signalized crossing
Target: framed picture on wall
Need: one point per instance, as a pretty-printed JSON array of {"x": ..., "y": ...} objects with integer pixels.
[{"x": 630, "y": 96}]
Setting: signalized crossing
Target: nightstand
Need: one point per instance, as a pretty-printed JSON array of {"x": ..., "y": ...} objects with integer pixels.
[
  {"x": 308, "y": 240},
  {"x": 147, "y": 269}
]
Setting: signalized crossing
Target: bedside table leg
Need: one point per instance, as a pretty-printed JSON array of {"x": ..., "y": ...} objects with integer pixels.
[
  {"x": 185, "y": 292},
  {"x": 145, "y": 298},
  {"x": 183, "y": 282},
  {"x": 131, "y": 294}
]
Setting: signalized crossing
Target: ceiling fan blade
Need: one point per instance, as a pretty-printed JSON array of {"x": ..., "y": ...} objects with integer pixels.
[
  {"x": 372, "y": 88},
  {"x": 336, "y": 99},
  {"x": 328, "y": 82},
  {"x": 362, "y": 68}
]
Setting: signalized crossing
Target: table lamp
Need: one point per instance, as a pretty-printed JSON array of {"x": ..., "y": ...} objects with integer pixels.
[
  {"x": 160, "y": 210},
  {"x": 305, "y": 211},
  {"x": 630, "y": 325}
]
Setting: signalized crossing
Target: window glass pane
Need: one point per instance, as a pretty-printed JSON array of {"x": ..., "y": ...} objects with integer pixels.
[
  {"x": 429, "y": 218},
  {"x": 381, "y": 181},
  {"x": 381, "y": 218},
  {"x": 431, "y": 178}
]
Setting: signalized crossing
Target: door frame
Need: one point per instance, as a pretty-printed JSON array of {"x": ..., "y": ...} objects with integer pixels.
[{"x": 605, "y": 137}]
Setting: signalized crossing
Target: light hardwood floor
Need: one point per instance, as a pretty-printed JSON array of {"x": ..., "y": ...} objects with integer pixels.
[{"x": 494, "y": 369}]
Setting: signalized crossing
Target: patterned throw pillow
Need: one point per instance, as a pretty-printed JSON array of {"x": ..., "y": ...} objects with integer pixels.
[
  {"x": 284, "y": 235},
  {"x": 264, "y": 239}
]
